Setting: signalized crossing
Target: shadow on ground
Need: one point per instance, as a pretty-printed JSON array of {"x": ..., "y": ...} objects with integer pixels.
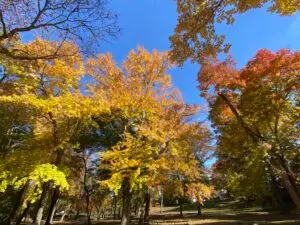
[{"x": 214, "y": 213}]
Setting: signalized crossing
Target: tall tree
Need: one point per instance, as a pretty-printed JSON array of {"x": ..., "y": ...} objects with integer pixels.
[
  {"x": 147, "y": 119},
  {"x": 49, "y": 89},
  {"x": 262, "y": 100}
]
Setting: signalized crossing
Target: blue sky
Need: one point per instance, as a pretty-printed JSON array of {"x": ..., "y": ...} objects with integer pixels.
[{"x": 150, "y": 22}]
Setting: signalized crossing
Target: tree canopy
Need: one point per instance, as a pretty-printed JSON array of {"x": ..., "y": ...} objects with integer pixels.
[{"x": 195, "y": 35}]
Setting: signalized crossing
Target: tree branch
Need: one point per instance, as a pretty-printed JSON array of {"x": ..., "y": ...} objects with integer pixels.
[{"x": 256, "y": 136}]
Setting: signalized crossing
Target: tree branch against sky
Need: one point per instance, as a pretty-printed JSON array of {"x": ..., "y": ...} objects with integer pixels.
[
  {"x": 195, "y": 35},
  {"x": 80, "y": 20}
]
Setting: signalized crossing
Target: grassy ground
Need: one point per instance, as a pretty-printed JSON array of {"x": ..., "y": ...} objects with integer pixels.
[{"x": 215, "y": 212}]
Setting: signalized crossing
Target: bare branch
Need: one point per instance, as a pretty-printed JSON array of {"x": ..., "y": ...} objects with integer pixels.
[{"x": 78, "y": 20}]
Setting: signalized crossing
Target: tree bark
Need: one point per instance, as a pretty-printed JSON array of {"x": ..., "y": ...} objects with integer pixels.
[
  {"x": 289, "y": 181},
  {"x": 41, "y": 204},
  {"x": 115, "y": 207},
  {"x": 147, "y": 206},
  {"x": 51, "y": 210},
  {"x": 137, "y": 207},
  {"x": 88, "y": 211},
  {"x": 57, "y": 162},
  {"x": 18, "y": 203},
  {"x": 126, "y": 195},
  {"x": 52, "y": 215},
  {"x": 39, "y": 216},
  {"x": 24, "y": 213}
]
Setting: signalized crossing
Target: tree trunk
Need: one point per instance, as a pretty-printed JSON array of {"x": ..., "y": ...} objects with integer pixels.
[
  {"x": 18, "y": 203},
  {"x": 180, "y": 208},
  {"x": 63, "y": 217},
  {"x": 115, "y": 206},
  {"x": 52, "y": 215},
  {"x": 141, "y": 216},
  {"x": 51, "y": 210},
  {"x": 39, "y": 216},
  {"x": 292, "y": 191},
  {"x": 65, "y": 213},
  {"x": 199, "y": 209},
  {"x": 24, "y": 213},
  {"x": 77, "y": 214},
  {"x": 290, "y": 173},
  {"x": 289, "y": 182},
  {"x": 88, "y": 213},
  {"x": 277, "y": 200},
  {"x": 137, "y": 207},
  {"x": 126, "y": 195},
  {"x": 41, "y": 204},
  {"x": 147, "y": 206},
  {"x": 161, "y": 202},
  {"x": 119, "y": 212}
]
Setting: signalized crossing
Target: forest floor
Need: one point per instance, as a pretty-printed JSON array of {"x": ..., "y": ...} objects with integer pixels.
[{"x": 213, "y": 213}]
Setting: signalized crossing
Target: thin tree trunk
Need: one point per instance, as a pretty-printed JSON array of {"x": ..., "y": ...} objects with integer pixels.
[
  {"x": 88, "y": 213},
  {"x": 77, "y": 213},
  {"x": 161, "y": 202},
  {"x": 52, "y": 215},
  {"x": 199, "y": 209},
  {"x": 51, "y": 211},
  {"x": 24, "y": 213},
  {"x": 141, "y": 216},
  {"x": 180, "y": 208},
  {"x": 41, "y": 204},
  {"x": 115, "y": 206},
  {"x": 119, "y": 212},
  {"x": 65, "y": 213},
  {"x": 63, "y": 217},
  {"x": 136, "y": 207},
  {"x": 147, "y": 206},
  {"x": 126, "y": 195}
]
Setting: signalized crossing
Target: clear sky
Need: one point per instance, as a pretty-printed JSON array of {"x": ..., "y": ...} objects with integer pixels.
[{"x": 150, "y": 22}]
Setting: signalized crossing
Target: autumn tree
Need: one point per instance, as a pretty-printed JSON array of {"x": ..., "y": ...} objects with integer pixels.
[
  {"x": 146, "y": 114},
  {"x": 195, "y": 35},
  {"x": 49, "y": 90},
  {"x": 182, "y": 171},
  {"x": 261, "y": 102},
  {"x": 133, "y": 91}
]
